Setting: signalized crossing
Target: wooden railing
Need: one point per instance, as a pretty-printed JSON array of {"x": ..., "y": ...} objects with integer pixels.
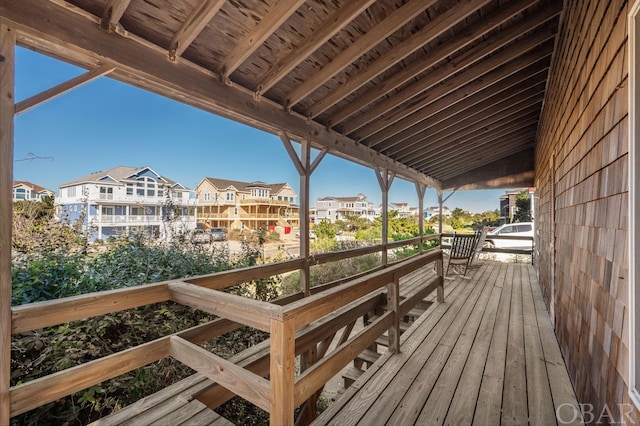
[{"x": 288, "y": 320}]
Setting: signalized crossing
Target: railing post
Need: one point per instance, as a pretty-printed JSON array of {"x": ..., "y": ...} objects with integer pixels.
[
  {"x": 440, "y": 272},
  {"x": 7, "y": 108},
  {"x": 282, "y": 369},
  {"x": 393, "y": 304},
  {"x": 420, "y": 189}
]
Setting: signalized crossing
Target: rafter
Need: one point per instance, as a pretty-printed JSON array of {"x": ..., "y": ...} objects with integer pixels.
[
  {"x": 475, "y": 132},
  {"x": 254, "y": 39},
  {"x": 430, "y": 32},
  {"x": 112, "y": 14},
  {"x": 334, "y": 23},
  {"x": 480, "y": 117},
  {"x": 513, "y": 145},
  {"x": 510, "y": 143},
  {"x": 63, "y": 88},
  {"x": 438, "y": 113},
  {"x": 199, "y": 17},
  {"x": 513, "y": 129},
  {"x": 460, "y": 66},
  {"x": 378, "y": 33},
  {"x": 143, "y": 65},
  {"x": 421, "y": 97},
  {"x": 487, "y": 24}
]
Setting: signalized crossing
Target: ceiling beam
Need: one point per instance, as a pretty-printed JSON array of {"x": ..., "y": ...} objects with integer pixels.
[
  {"x": 459, "y": 125},
  {"x": 362, "y": 45},
  {"x": 254, "y": 38},
  {"x": 197, "y": 20},
  {"x": 373, "y": 121},
  {"x": 334, "y": 23},
  {"x": 507, "y": 132},
  {"x": 63, "y": 34},
  {"x": 524, "y": 143},
  {"x": 513, "y": 171},
  {"x": 112, "y": 14},
  {"x": 432, "y": 115},
  {"x": 427, "y": 34},
  {"x": 440, "y": 53},
  {"x": 512, "y": 143}
]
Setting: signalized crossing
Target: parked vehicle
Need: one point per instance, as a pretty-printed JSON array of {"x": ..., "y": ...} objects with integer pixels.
[
  {"x": 208, "y": 236},
  {"x": 217, "y": 234},
  {"x": 521, "y": 229},
  {"x": 312, "y": 235}
]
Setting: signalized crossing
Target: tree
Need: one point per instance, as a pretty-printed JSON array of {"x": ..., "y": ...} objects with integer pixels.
[
  {"x": 325, "y": 230},
  {"x": 523, "y": 207}
]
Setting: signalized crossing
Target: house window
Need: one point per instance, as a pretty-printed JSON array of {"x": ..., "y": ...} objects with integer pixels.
[
  {"x": 129, "y": 189},
  {"x": 207, "y": 196},
  {"x": 230, "y": 196},
  {"x": 235, "y": 211},
  {"x": 634, "y": 202},
  {"x": 71, "y": 192},
  {"x": 106, "y": 193}
]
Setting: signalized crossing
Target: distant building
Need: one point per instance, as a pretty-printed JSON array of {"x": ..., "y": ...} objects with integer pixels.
[
  {"x": 435, "y": 211},
  {"x": 238, "y": 205},
  {"x": 508, "y": 205},
  {"x": 403, "y": 209},
  {"x": 339, "y": 208},
  {"x": 23, "y": 190},
  {"x": 127, "y": 199}
]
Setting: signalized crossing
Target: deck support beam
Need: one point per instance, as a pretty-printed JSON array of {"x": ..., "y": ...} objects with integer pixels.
[
  {"x": 305, "y": 168},
  {"x": 385, "y": 179},
  {"x": 7, "y": 107},
  {"x": 420, "y": 190}
]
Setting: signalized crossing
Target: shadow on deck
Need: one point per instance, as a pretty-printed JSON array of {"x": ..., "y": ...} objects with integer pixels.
[{"x": 487, "y": 355}]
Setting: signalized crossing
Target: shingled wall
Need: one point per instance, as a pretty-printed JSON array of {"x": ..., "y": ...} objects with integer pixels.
[{"x": 582, "y": 206}]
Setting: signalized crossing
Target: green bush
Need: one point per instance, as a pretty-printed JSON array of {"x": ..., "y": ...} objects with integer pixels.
[{"x": 49, "y": 274}]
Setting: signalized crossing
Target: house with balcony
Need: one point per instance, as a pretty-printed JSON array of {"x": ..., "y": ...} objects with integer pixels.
[
  {"x": 23, "y": 190},
  {"x": 125, "y": 200},
  {"x": 341, "y": 208},
  {"x": 403, "y": 209},
  {"x": 232, "y": 204},
  {"x": 451, "y": 96}
]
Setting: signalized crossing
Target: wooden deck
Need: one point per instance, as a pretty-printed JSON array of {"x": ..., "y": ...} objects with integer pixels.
[{"x": 486, "y": 356}]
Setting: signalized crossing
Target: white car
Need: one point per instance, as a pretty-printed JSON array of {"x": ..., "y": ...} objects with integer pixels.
[{"x": 524, "y": 229}]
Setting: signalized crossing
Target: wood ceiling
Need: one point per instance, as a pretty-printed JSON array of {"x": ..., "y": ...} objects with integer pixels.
[{"x": 445, "y": 93}]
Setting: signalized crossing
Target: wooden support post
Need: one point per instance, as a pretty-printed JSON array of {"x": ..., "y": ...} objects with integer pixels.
[
  {"x": 305, "y": 168},
  {"x": 440, "y": 272},
  {"x": 7, "y": 108},
  {"x": 282, "y": 369},
  {"x": 393, "y": 304},
  {"x": 440, "y": 214},
  {"x": 385, "y": 179},
  {"x": 420, "y": 189}
]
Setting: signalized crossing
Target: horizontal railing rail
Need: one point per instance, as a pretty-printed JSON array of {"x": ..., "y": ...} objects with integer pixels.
[{"x": 281, "y": 318}]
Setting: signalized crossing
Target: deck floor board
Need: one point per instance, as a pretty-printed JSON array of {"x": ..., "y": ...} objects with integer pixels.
[{"x": 487, "y": 355}]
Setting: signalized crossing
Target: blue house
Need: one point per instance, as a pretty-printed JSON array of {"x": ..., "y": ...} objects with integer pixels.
[{"x": 123, "y": 200}]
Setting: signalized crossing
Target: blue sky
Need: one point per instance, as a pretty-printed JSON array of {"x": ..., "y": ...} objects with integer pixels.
[{"x": 106, "y": 123}]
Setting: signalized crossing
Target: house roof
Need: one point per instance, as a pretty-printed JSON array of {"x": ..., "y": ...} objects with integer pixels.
[
  {"x": 275, "y": 188},
  {"x": 37, "y": 188},
  {"x": 444, "y": 93},
  {"x": 120, "y": 175}
]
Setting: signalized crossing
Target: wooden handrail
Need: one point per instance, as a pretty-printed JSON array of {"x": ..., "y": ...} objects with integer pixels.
[
  {"x": 281, "y": 318},
  {"x": 315, "y": 306}
]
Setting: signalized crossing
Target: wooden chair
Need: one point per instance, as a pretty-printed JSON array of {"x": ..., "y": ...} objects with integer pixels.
[
  {"x": 482, "y": 235},
  {"x": 462, "y": 250}
]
